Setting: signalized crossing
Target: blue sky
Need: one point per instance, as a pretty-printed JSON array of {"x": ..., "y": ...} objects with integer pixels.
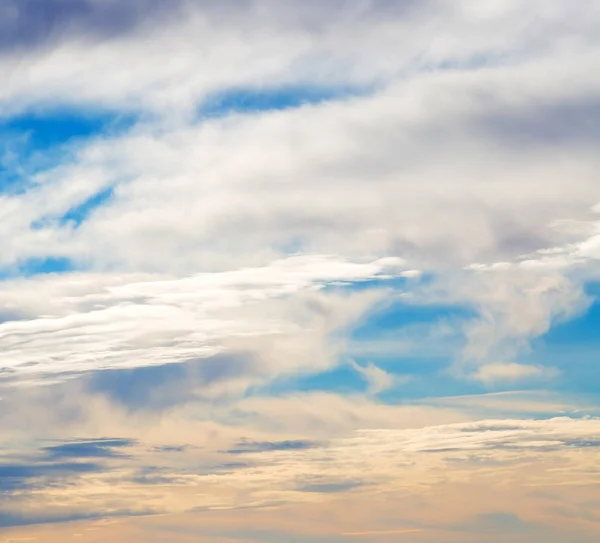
[{"x": 267, "y": 268}]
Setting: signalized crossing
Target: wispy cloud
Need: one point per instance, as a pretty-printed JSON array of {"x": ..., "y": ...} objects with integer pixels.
[
  {"x": 70, "y": 324},
  {"x": 377, "y": 380},
  {"x": 410, "y": 462},
  {"x": 512, "y": 372}
]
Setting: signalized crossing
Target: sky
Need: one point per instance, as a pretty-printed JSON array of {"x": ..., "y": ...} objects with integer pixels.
[{"x": 299, "y": 272}]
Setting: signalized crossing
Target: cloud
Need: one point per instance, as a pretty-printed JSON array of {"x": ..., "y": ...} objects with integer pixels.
[
  {"x": 511, "y": 372},
  {"x": 257, "y": 447},
  {"x": 311, "y": 448},
  {"x": 341, "y": 41},
  {"x": 39, "y": 23},
  {"x": 10, "y": 520},
  {"x": 208, "y": 182},
  {"x": 511, "y": 403},
  {"x": 247, "y": 187},
  {"x": 362, "y": 464},
  {"x": 511, "y": 309},
  {"x": 87, "y": 449},
  {"x": 326, "y": 488},
  {"x": 19, "y": 475},
  {"x": 71, "y": 324},
  {"x": 284, "y": 169},
  {"x": 323, "y": 415},
  {"x": 321, "y": 217},
  {"x": 377, "y": 380}
]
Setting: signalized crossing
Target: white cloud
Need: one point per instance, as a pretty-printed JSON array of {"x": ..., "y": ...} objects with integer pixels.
[
  {"x": 377, "y": 380},
  {"x": 335, "y": 178},
  {"x": 515, "y": 307},
  {"x": 73, "y": 323},
  {"x": 507, "y": 404},
  {"x": 169, "y": 63},
  {"x": 511, "y": 372},
  {"x": 457, "y": 158},
  {"x": 469, "y": 147}
]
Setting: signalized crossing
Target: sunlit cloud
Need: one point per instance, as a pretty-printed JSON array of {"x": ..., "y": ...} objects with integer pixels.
[{"x": 279, "y": 271}]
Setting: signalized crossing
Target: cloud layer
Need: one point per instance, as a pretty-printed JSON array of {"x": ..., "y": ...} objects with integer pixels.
[
  {"x": 502, "y": 457},
  {"x": 281, "y": 271}
]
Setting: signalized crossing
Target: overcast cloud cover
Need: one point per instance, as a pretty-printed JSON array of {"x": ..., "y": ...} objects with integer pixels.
[{"x": 277, "y": 271}]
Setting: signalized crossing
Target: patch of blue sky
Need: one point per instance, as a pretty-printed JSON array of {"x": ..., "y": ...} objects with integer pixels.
[
  {"x": 422, "y": 342},
  {"x": 435, "y": 384},
  {"x": 340, "y": 380},
  {"x": 80, "y": 213},
  {"x": 260, "y": 99},
  {"x": 428, "y": 379},
  {"x": 38, "y": 266},
  {"x": 573, "y": 348},
  {"x": 34, "y": 141},
  {"x": 592, "y": 289},
  {"x": 45, "y": 129},
  {"x": 395, "y": 284},
  {"x": 402, "y": 314},
  {"x": 404, "y": 340}
]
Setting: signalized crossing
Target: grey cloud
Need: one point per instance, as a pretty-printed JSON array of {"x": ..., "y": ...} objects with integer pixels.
[
  {"x": 581, "y": 443},
  {"x": 171, "y": 448},
  {"x": 17, "y": 475},
  {"x": 155, "y": 475},
  {"x": 501, "y": 522},
  {"x": 35, "y": 23},
  {"x": 88, "y": 449},
  {"x": 48, "y": 465},
  {"x": 12, "y": 519},
  {"x": 330, "y": 488},
  {"x": 245, "y": 446},
  {"x": 155, "y": 480},
  {"x": 157, "y": 388},
  {"x": 564, "y": 122},
  {"x": 517, "y": 442},
  {"x": 492, "y": 428},
  {"x": 8, "y": 520}
]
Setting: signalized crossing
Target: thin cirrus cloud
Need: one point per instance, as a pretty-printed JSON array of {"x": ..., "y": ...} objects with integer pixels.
[
  {"x": 207, "y": 210},
  {"x": 512, "y": 372}
]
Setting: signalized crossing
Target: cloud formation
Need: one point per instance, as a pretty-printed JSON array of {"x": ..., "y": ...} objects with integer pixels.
[
  {"x": 454, "y": 151},
  {"x": 206, "y": 211},
  {"x": 412, "y": 463},
  {"x": 68, "y": 324}
]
